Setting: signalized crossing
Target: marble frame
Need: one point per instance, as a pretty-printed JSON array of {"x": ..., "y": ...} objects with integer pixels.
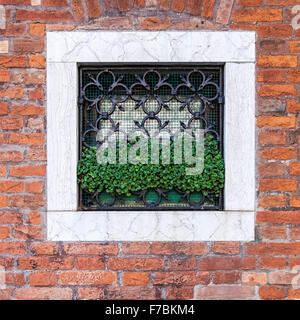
[{"x": 65, "y": 50}]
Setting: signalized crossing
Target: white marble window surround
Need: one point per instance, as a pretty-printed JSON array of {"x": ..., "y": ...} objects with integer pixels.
[{"x": 234, "y": 48}]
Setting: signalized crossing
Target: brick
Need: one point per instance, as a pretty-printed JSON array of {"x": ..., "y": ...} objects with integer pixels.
[
  {"x": 2, "y": 170},
  {"x": 272, "y": 45},
  {"x": 60, "y": 27},
  {"x": 272, "y": 169},
  {"x": 132, "y": 293},
  {"x": 44, "y": 293},
  {"x": 4, "y": 46},
  {"x": 183, "y": 264},
  {"x": 35, "y": 139},
  {"x": 278, "y": 185},
  {"x": 25, "y": 171},
  {"x": 195, "y": 23},
  {"x": 14, "y": 279},
  {"x": 180, "y": 293},
  {"x": 226, "y": 263},
  {"x": 34, "y": 218},
  {"x": 34, "y": 187},
  {"x": 273, "y": 232},
  {"x": 94, "y": 9},
  {"x": 275, "y": 31},
  {"x": 13, "y": 30},
  {"x": 13, "y": 92},
  {"x": 87, "y": 278},
  {"x": 272, "y": 201},
  {"x": 185, "y": 248},
  {"x": 124, "y": 5},
  {"x": 277, "y": 90},
  {"x": 295, "y": 201},
  {"x": 4, "y": 232},
  {"x": 295, "y": 168},
  {"x": 165, "y": 5},
  {"x": 13, "y": 61},
  {"x": 77, "y": 10},
  {"x": 278, "y": 61},
  {"x": 4, "y": 75},
  {"x": 55, "y": 3},
  {"x": 10, "y": 123},
  {"x": 276, "y": 75},
  {"x": 91, "y": 293},
  {"x": 154, "y": 23},
  {"x": 226, "y": 248},
  {"x": 6, "y": 294},
  {"x": 272, "y": 137},
  {"x": 273, "y": 248},
  {"x": 294, "y": 294},
  {"x": 43, "y": 16},
  {"x": 46, "y": 263},
  {"x": 36, "y": 77},
  {"x": 36, "y": 154},
  {"x": 36, "y": 124},
  {"x": 111, "y": 23},
  {"x": 294, "y": 76},
  {"x": 272, "y": 122},
  {"x": 254, "y": 278},
  {"x": 280, "y": 2},
  {"x": 9, "y": 186},
  {"x": 232, "y": 277},
  {"x": 208, "y": 8},
  {"x": 224, "y": 11},
  {"x": 249, "y": 3},
  {"x": 3, "y": 108},
  {"x": 15, "y": 248},
  {"x": 257, "y": 15},
  {"x": 26, "y": 110},
  {"x": 272, "y": 292},
  {"x": 282, "y": 153},
  {"x": 135, "y": 263},
  {"x": 294, "y": 262},
  {"x": 295, "y": 233},
  {"x": 90, "y": 263},
  {"x": 180, "y": 278},
  {"x": 225, "y": 293},
  {"x": 194, "y": 7},
  {"x": 278, "y": 217},
  {"x": 43, "y": 279},
  {"x": 90, "y": 249},
  {"x": 27, "y": 232},
  {"x": 36, "y": 93},
  {"x": 11, "y": 156},
  {"x": 3, "y": 201},
  {"x": 31, "y": 202},
  {"x": 136, "y": 248},
  {"x": 281, "y": 277},
  {"x": 27, "y": 45},
  {"x": 135, "y": 278},
  {"x": 295, "y": 46},
  {"x": 178, "y": 5},
  {"x": 44, "y": 248},
  {"x": 10, "y": 217},
  {"x": 37, "y": 29},
  {"x": 37, "y": 61},
  {"x": 272, "y": 263}
]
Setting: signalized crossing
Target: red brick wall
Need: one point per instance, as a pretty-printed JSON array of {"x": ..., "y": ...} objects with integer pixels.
[{"x": 36, "y": 268}]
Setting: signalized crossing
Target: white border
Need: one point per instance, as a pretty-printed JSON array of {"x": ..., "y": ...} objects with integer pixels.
[{"x": 65, "y": 50}]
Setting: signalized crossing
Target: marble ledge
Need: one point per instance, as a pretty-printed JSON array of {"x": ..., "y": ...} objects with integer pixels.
[
  {"x": 149, "y": 46},
  {"x": 150, "y": 226}
]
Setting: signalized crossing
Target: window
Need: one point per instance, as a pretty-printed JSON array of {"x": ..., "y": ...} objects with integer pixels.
[
  {"x": 169, "y": 99},
  {"x": 68, "y": 51}
]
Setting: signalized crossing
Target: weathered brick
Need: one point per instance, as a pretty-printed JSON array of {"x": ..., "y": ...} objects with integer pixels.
[
  {"x": 257, "y": 15},
  {"x": 183, "y": 264},
  {"x": 277, "y": 90},
  {"x": 27, "y": 45},
  {"x": 46, "y": 263},
  {"x": 180, "y": 278},
  {"x": 278, "y": 61},
  {"x": 272, "y": 137},
  {"x": 94, "y": 9},
  {"x": 87, "y": 278},
  {"x": 44, "y": 293},
  {"x": 225, "y": 292},
  {"x": 226, "y": 248},
  {"x": 271, "y": 121},
  {"x": 90, "y": 263},
  {"x": 154, "y": 23},
  {"x": 43, "y": 279},
  {"x": 282, "y": 153},
  {"x": 136, "y": 248},
  {"x": 272, "y": 169},
  {"x": 275, "y": 31},
  {"x": 135, "y": 263},
  {"x": 44, "y": 248},
  {"x": 272, "y": 262},
  {"x": 24, "y": 171},
  {"x": 178, "y": 5},
  {"x": 37, "y": 29},
  {"x": 11, "y": 156},
  {"x": 10, "y": 186},
  {"x": 135, "y": 278},
  {"x": 15, "y": 248},
  {"x": 272, "y": 201},
  {"x": 43, "y": 16},
  {"x": 90, "y": 249},
  {"x": 254, "y": 278},
  {"x": 226, "y": 263},
  {"x": 272, "y": 292},
  {"x": 270, "y": 75},
  {"x": 181, "y": 293},
  {"x": 277, "y": 185}
]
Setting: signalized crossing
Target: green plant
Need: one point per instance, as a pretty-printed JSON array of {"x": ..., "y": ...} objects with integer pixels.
[{"x": 124, "y": 179}]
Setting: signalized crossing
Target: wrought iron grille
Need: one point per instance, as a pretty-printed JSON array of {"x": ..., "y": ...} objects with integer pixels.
[{"x": 164, "y": 96}]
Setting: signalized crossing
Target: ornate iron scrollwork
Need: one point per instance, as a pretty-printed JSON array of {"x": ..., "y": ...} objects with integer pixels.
[{"x": 197, "y": 93}]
